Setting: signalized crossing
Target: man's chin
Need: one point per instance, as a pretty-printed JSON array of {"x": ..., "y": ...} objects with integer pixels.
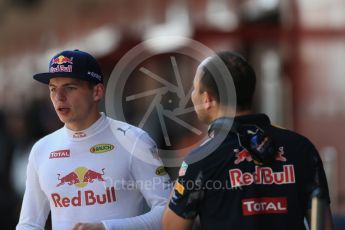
[
  {"x": 63, "y": 119},
  {"x": 203, "y": 119}
]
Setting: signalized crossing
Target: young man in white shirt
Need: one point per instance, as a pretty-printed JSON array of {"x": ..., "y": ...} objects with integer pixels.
[{"x": 90, "y": 173}]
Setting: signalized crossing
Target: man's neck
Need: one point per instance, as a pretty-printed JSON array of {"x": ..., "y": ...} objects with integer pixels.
[
  {"x": 229, "y": 112},
  {"x": 82, "y": 125},
  {"x": 243, "y": 112}
]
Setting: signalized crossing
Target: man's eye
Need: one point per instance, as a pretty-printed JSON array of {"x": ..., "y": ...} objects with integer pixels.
[
  {"x": 70, "y": 88},
  {"x": 52, "y": 90}
]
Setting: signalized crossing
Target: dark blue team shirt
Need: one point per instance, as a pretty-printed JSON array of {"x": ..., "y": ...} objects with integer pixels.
[{"x": 229, "y": 189}]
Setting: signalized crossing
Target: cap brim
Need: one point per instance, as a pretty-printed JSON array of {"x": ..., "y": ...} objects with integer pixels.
[{"x": 45, "y": 77}]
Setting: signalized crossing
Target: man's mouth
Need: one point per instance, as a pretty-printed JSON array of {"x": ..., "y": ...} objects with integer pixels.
[{"x": 63, "y": 110}]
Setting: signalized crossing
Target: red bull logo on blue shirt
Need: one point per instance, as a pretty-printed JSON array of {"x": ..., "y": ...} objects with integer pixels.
[{"x": 262, "y": 175}]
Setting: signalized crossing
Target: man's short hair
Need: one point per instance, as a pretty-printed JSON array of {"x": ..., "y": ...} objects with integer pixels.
[{"x": 242, "y": 74}]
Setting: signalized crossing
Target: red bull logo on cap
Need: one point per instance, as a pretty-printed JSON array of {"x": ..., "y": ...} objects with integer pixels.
[
  {"x": 62, "y": 60},
  {"x": 60, "y": 64},
  {"x": 80, "y": 177}
]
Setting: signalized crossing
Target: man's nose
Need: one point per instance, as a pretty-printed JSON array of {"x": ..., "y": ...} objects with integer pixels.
[{"x": 60, "y": 95}]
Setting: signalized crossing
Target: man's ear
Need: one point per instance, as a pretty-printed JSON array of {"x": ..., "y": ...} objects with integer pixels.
[
  {"x": 98, "y": 92},
  {"x": 208, "y": 100}
]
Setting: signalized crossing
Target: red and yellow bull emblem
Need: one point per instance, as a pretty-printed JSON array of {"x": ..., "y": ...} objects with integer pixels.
[
  {"x": 84, "y": 198},
  {"x": 62, "y": 60},
  {"x": 59, "y": 64},
  {"x": 244, "y": 155},
  {"x": 80, "y": 177}
]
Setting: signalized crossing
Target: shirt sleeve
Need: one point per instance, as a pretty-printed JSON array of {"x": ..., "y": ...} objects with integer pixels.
[
  {"x": 188, "y": 191},
  {"x": 35, "y": 206},
  {"x": 317, "y": 177},
  {"x": 154, "y": 183}
]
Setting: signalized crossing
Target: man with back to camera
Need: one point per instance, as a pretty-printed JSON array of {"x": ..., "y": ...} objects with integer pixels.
[
  {"x": 267, "y": 174},
  {"x": 95, "y": 172}
]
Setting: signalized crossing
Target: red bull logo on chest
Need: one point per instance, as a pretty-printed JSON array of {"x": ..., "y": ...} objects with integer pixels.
[
  {"x": 80, "y": 177},
  {"x": 84, "y": 198},
  {"x": 262, "y": 175}
]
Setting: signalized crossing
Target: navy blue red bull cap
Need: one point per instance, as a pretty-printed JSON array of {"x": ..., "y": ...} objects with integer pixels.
[{"x": 73, "y": 64}]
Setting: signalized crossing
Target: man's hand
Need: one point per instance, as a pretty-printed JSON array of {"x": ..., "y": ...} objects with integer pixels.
[{"x": 84, "y": 226}]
